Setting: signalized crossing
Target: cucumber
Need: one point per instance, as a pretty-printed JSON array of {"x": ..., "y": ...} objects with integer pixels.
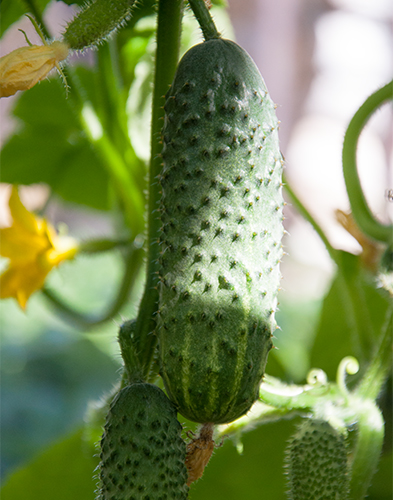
[
  {"x": 142, "y": 452},
  {"x": 317, "y": 464},
  {"x": 221, "y": 214}
]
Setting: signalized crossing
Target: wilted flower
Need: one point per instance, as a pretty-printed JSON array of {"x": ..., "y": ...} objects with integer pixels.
[
  {"x": 22, "y": 68},
  {"x": 33, "y": 248}
]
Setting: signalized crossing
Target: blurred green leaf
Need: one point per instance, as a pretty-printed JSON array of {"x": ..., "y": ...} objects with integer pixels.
[
  {"x": 293, "y": 341},
  {"x": 12, "y": 10},
  {"x": 336, "y": 335},
  {"x": 50, "y": 147},
  {"x": 63, "y": 471},
  {"x": 382, "y": 483}
]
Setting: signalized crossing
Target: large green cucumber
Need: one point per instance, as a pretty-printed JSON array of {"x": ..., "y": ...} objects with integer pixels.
[
  {"x": 142, "y": 452},
  {"x": 221, "y": 214}
]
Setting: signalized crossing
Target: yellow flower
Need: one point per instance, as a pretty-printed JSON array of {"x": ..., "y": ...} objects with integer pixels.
[
  {"x": 33, "y": 248},
  {"x": 22, "y": 68}
]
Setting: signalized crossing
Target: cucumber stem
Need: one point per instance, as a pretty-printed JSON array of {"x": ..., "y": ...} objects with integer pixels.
[
  {"x": 38, "y": 18},
  {"x": 352, "y": 295},
  {"x": 205, "y": 20},
  {"x": 170, "y": 13},
  {"x": 306, "y": 214},
  {"x": 360, "y": 210},
  {"x": 370, "y": 433},
  {"x": 128, "y": 192},
  {"x": 133, "y": 262}
]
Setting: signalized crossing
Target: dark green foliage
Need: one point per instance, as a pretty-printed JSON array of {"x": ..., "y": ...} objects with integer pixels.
[
  {"x": 221, "y": 214},
  {"x": 142, "y": 452},
  {"x": 317, "y": 463}
]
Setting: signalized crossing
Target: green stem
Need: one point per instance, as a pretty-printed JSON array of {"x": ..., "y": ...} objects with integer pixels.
[
  {"x": 112, "y": 104},
  {"x": 370, "y": 433},
  {"x": 360, "y": 210},
  {"x": 205, "y": 20},
  {"x": 38, "y": 17},
  {"x": 380, "y": 365},
  {"x": 129, "y": 353},
  {"x": 133, "y": 262},
  {"x": 129, "y": 194},
  {"x": 101, "y": 245},
  {"x": 352, "y": 295},
  {"x": 167, "y": 53},
  {"x": 306, "y": 214}
]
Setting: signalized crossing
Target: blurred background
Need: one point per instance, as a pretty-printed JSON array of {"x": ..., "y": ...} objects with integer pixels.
[{"x": 320, "y": 60}]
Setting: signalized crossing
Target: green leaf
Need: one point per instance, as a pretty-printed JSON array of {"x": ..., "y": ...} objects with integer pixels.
[
  {"x": 382, "y": 483},
  {"x": 85, "y": 180},
  {"x": 50, "y": 147},
  {"x": 61, "y": 472},
  {"x": 351, "y": 320},
  {"x": 12, "y": 10}
]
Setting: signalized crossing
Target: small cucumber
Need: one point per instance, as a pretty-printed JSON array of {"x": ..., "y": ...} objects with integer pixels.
[
  {"x": 221, "y": 213},
  {"x": 142, "y": 452},
  {"x": 317, "y": 464}
]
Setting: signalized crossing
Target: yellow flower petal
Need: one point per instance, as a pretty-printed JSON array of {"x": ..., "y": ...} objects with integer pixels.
[
  {"x": 20, "y": 215},
  {"x": 19, "y": 245},
  {"x": 33, "y": 248},
  {"x": 28, "y": 234},
  {"x": 21, "y": 281},
  {"x": 22, "y": 68}
]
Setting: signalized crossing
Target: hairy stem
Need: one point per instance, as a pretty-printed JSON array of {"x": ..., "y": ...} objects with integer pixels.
[
  {"x": 202, "y": 14},
  {"x": 31, "y": 5},
  {"x": 167, "y": 54}
]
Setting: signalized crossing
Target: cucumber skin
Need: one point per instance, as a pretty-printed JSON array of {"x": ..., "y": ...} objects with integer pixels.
[
  {"x": 317, "y": 463},
  {"x": 142, "y": 452},
  {"x": 221, "y": 213}
]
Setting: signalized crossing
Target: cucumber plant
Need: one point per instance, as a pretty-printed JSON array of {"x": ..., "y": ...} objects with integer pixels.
[{"x": 213, "y": 248}]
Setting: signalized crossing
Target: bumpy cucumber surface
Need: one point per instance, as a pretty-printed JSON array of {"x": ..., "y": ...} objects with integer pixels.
[
  {"x": 142, "y": 452},
  {"x": 317, "y": 464},
  {"x": 221, "y": 213}
]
